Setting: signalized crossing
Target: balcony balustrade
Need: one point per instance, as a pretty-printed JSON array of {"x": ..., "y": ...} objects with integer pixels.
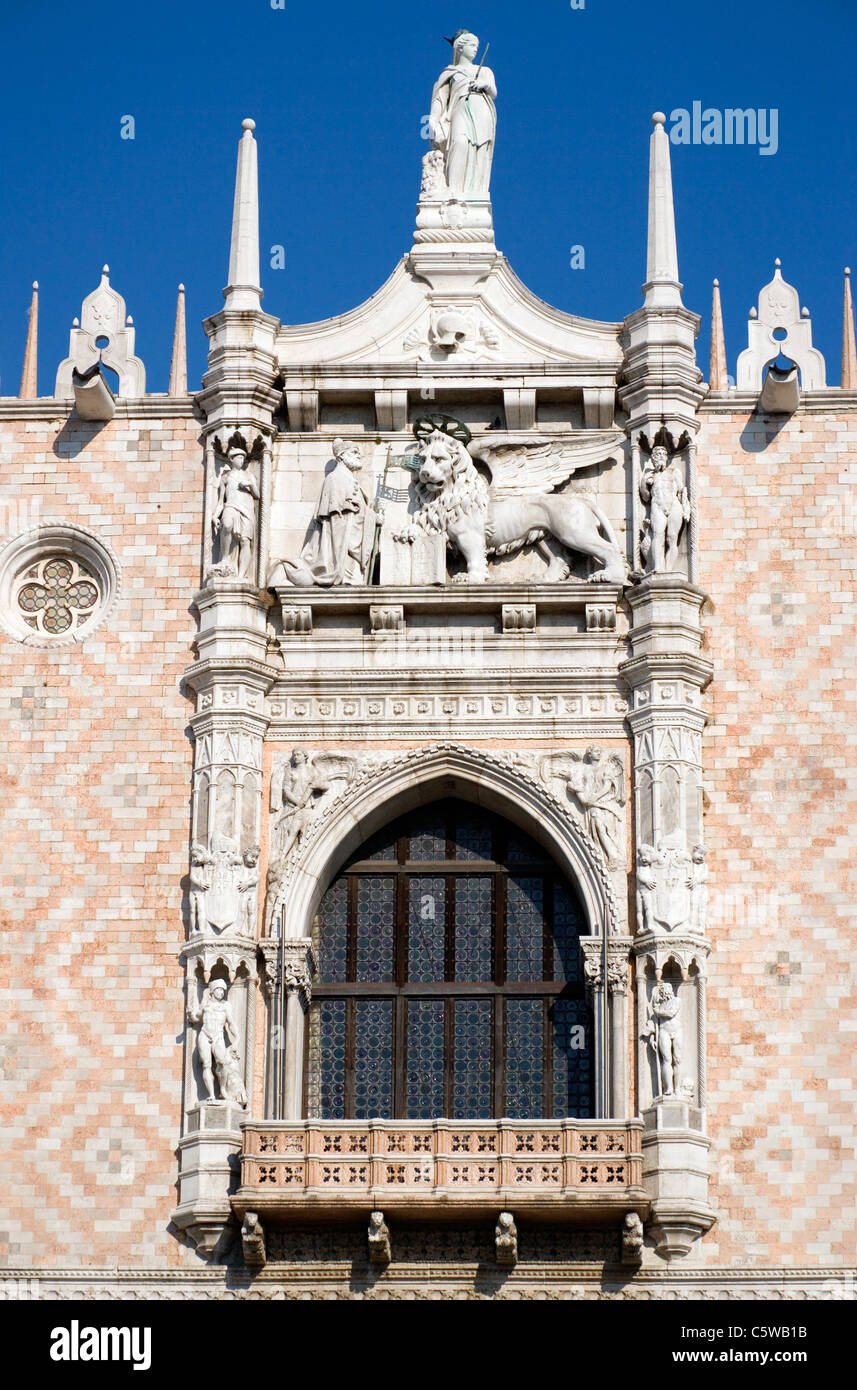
[{"x": 585, "y": 1168}]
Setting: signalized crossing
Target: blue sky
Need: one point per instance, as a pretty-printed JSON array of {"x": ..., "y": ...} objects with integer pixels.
[{"x": 338, "y": 91}]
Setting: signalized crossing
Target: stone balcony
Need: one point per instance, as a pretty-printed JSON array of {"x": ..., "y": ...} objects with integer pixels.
[{"x": 566, "y": 1169}]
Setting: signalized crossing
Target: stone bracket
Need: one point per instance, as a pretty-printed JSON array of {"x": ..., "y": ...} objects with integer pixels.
[
  {"x": 386, "y": 617},
  {"x": 601, "y": 617},
  {"x": 391, "y": 410},
  {"x": 519, "y": 617},
  {"x": 519, "y": 405},
  {"x": 253, "y": 1241},
  {"x": 297, "y": 619},
  {"x": 598, "y": 407},
  {"x": 302, "y": 407},
  {"x": 378, "y": 1238}
]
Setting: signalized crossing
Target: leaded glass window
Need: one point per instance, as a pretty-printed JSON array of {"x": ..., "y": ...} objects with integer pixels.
[
  {"x": 57, "y": 595},
  {"x": 449, "y": 978}
]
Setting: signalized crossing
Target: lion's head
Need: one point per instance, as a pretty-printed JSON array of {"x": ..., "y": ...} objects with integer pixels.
[{"x": 448, "y": 485}]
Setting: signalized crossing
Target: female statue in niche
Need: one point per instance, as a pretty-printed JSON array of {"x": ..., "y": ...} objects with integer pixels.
[{"x": 463, "y": 119}]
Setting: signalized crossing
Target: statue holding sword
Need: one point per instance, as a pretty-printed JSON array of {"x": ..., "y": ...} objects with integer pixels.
[{"x": 463, "y": 119}]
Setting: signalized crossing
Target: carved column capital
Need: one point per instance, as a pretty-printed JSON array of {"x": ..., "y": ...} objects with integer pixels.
[
  {"x": 593, "y": 974},
  {"x": 299, "y": 967},
  {"x": 617, "y": 972},
  {"x": 593, "y": 965},
  {"x": 271, "y": 961}
]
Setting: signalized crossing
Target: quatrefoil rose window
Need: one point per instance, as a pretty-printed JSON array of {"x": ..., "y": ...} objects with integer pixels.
[
  {"x": 58, "y": 583},
  {"x": 57, "y": 595}
]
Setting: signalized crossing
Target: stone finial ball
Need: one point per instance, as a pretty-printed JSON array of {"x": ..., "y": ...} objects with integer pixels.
[
  {"x": 248, "y": 123},
  {"x": 659, "y": 118}
]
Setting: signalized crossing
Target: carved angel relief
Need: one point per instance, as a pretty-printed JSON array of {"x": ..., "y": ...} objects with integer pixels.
[
  {"x": 297, "y": 788},
  {"x": 595, "y": 787}
]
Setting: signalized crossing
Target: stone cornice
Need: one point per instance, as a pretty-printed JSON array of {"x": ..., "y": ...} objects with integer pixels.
[
  {"x": 822, "y": 402},
  {"x": 583, "y": 1280},
  {"x": 457, "y": 598},
  {"x": 54, "y": 408},
  {"x": 639, "y": 670},
  {"x": 212, "y": 670}
]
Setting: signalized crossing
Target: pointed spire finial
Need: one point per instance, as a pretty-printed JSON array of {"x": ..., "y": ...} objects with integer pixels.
[
  {"x": 29, "y": 376},
  {"x": 849, "y": 350},
  {"x": 662, "y": 285},
  {"x": 243, "y": 290},
  {"x": 717, "y": 370},
  {"x": 178, "y": 362}
]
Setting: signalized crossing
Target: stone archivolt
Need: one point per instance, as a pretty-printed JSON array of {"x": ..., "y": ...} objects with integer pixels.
[{"x": 506, "y": 780}]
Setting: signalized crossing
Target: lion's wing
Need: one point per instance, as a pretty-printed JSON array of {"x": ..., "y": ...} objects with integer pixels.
[{"x": 518, "y": 465}]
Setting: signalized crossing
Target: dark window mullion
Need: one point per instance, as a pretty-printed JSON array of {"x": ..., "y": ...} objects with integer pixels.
[
  {"x": 547, "y": 1049},
  {"x": 401, "y": 928},
  {"x": 449, "y": 934},
  {"x": 400, "y": 1060},
  {"x": 350, "y": 1012},
  {"x": 499, "y": 899},
  {"x": 498, "y": 1108},
  {"x": 351, "y": 931},
  {"x": 548, "y": 891},
  {"x": 448, "y": 1055}
]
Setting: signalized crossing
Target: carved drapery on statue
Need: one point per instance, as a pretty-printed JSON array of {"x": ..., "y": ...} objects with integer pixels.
[
  {"x": 236, "y": 510},
  {"x": 463, "y": 123},
  {"x": 298, "y": 786},
  {"x": 595, "y": 787},
  {"x": 339, "y": 548}
]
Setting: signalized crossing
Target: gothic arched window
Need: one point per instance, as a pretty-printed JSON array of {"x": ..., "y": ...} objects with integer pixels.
[{"x": 449, "y": 978}]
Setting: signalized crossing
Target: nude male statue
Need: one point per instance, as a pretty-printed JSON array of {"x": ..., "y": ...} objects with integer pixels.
[
  {"x": 663, "y": 1032},
  {"x": 217, "y": 1040},
  {"x": 662, "y": 487}
]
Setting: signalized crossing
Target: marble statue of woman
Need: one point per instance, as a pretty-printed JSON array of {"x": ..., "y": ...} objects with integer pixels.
[{"x": 463, "y": 119}]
